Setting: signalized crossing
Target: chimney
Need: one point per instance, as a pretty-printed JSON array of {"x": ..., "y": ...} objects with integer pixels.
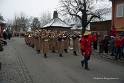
[{"x": 55, "y": 14}]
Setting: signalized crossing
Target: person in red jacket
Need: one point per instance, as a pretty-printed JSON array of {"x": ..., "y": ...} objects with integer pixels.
[
  {"x": 95, "y": 41},
  {"x": 118, "y": 45},
  {"x": 86, "y": 49}
]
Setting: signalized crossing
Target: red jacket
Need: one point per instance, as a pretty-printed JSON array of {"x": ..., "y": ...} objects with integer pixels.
[
  {"x": 118, "y": 43},
  {"x": 82, "y": 43},
  {"x": 86, "y": 46},
  {"x": 113, "y": 32},
  {"x": 123, "y": 41},
  {"x": 94, "y": 37},
  {"x": 90, "y": 37}
]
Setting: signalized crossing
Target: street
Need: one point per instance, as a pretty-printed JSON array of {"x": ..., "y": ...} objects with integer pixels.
[{"x": 22, "y": 64}]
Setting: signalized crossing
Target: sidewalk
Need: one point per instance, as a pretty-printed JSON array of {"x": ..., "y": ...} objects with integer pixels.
[{"x": 108, "y": 57}]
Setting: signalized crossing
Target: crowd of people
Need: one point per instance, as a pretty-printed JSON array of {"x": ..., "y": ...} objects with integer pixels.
[
  {"x": 45, "y": 41},
  {"x": 5, "y": 35},
  {"x": 113, "y": 45}
]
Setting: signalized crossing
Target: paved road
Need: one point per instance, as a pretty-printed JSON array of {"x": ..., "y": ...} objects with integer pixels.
[{"x": 29, "y": 67}]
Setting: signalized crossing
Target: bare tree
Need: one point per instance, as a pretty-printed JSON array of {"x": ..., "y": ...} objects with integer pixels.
[
  {"x": 84, "y": 10},
  {"x": 45, "y": 18},
  {"x": 35, "y": 24},
  {"x": 20, "y": 23}
]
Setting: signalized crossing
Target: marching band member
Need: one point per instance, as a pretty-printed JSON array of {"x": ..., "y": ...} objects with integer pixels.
[
  {"x": 36, "y": 42},
  {"x": 66, "y": 42},
  {"x": 75, "y": 44},
  {"x": 60, "y": 44},
  {"x": 45, "y": 44}
]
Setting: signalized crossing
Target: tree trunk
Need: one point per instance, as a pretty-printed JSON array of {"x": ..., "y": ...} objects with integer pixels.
[
  {"x": 83, "y": 29},
  {"x": 84, "y": 23},
  {"x": 84, "y": 17}
]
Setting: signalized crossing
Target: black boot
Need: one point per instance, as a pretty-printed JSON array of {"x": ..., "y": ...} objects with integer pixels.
[
  {"x": 86, "y": 64},
  {"x": 32, "y": 46},
  {"x": 65, "y": 50},
  {"x": 60, "y": 55},
  {"x": 38, "y": 51},
  {"x": 75, "y": 53},
  {"x": 45, "y": 55},
  {"x": 82, "y": 63},
  {"x": 87, "y": 68},
  {"x": 53, "y": 51}
]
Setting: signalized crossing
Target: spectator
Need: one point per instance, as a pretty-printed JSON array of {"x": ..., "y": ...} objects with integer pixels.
[
  {"x": 106, "y": 43},
  {"x": 5, "y": 35},
  {"x": 112, "y": 45},
  {"x": 95, "y": 41},
  {"x": 118, "y": 45},
  {"x": 101, "y": 45}
]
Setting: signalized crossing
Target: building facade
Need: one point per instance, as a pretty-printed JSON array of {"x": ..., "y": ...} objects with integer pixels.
[
  {"x": 101, "y": 27},
  {"x": 118, "y": 15}
]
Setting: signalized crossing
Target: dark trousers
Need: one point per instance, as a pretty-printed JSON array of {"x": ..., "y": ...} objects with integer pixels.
[
  {"x": 95, "y": 45},
  {"x": 101, "y": 48},
  {"x": 85, "y": 61},
  {"x": 75, "y": 53},
  {"x": 113, "y": 51},
  {"x": 0, "y": 65},
  {"x": 45, "y": 56},
  {"x": 1, "y": 47},
  {"x": 106, "y": 49},
  {"x": 123, "y": 51},
  {"x": 118, "y": 53}
]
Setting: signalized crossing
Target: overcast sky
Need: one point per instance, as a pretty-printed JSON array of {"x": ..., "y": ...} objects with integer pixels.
[{"x": 10, "y": 8}]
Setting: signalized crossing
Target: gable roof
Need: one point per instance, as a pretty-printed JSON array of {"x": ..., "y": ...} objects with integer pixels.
[{"x": 57, "y": 22}]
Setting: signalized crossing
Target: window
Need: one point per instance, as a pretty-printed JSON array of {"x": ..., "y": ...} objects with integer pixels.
[{"x": 120, "y": 10}]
